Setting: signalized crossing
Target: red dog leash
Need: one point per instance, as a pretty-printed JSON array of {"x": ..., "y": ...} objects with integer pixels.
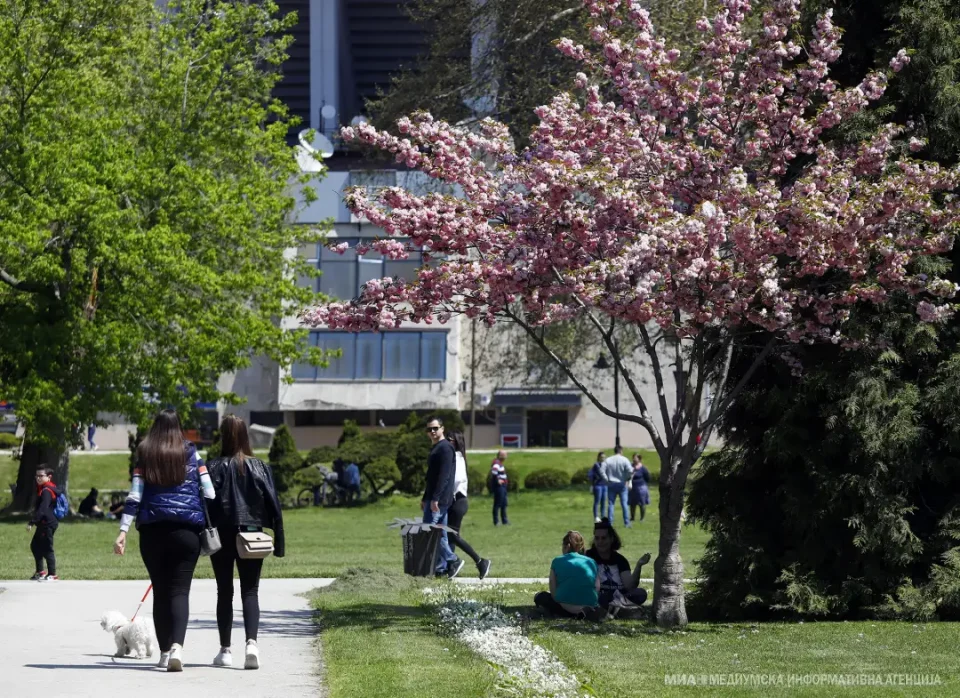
[{"x": 145, "y": 595}]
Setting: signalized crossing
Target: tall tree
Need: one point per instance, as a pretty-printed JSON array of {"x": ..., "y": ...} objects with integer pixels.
[
  {"x": 496, "y": 58},
  {"x": 849, "y": 466},
  {"x": 701, "y": 207},
  {"x": 144, "y": 204}
]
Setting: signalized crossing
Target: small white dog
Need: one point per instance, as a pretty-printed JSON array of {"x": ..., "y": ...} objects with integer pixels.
[{"x": 137, "y": 637}]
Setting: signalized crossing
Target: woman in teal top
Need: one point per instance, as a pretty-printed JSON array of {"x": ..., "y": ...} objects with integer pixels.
[{"x": 573, "y": 582}]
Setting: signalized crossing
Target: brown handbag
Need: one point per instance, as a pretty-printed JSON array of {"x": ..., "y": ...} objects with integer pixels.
[{"x": 253, "y": 545}]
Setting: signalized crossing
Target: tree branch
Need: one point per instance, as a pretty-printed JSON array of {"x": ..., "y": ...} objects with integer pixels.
[
  {"x": 643, "y": 420},
  {"x": 607, "y": 337},
  {"x": 549, "y": 20},
  {"x": 651, "y": 349},
  {"x": 18, "y": 285}
]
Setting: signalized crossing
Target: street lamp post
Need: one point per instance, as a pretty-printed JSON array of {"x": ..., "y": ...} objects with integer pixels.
[{"x": 603, "y": 365}]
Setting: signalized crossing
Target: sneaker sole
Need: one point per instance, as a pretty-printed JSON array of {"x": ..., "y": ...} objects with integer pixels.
[
  {"x": 175, "y": 665},
  {"x": 251, "y": 662},
  {"x": 453, "y": 575}
]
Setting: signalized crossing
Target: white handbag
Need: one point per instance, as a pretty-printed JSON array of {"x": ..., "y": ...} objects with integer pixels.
[{"x": 253, "y": 545}]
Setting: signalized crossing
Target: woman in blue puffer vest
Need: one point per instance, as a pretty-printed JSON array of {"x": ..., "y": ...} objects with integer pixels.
[{"x": 165, "y": 502}]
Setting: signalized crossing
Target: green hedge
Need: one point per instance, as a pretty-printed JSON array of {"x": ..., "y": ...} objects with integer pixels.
[
  {"x": 476, "y": 481},
  {"x": 547, "y": 479},
  {"x": 9, "y": 440},
  {"x": 580, "y": 477}
]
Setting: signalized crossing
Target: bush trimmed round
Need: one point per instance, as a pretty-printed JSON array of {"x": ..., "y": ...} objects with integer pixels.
[
  {"x": 476, "y": 481},
  {"x": 580, "y": 477},
  {"x": 547, "y": 479},
  {"x": 9, "y": 440}
]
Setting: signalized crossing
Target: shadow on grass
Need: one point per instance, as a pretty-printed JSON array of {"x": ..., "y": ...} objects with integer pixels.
[
  {"x": 534, "y": 620},
  {"x": 375, "y": 616}
]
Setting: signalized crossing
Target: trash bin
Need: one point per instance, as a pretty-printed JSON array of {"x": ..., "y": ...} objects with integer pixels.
[{"x": 421, "y": 543}]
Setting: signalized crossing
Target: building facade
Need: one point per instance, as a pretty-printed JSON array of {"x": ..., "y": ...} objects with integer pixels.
[{"x": 343, "y": 51}]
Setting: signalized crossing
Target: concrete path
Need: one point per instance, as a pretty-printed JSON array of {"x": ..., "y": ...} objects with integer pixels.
[{"x": 56, "y": 625}]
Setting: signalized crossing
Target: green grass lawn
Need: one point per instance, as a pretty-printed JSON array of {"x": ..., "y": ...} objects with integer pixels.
[
  {"x": 380, "y": 641},
  {"x": 385, "y": 626},
  {"x": 324, "y": 542}
]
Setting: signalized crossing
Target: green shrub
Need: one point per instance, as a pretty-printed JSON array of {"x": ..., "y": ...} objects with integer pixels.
[
  {"x": 382, "y": 473},
  {"x": 476, "y": 481},
  {"x": 284, "y": 458},
  {"x": 9, "y": 440},
  {"x": 350, "y": 431},
  {"x": 322, "y": 454},
  {"x": 547, "y": 479},
  {"x": 308, "y": 476},
  {"x": 285, "y": 471},
  {"x": 282, "y": 445},
  {"x": 580, "y": 477},
  {"x": 216, "y": 448}
]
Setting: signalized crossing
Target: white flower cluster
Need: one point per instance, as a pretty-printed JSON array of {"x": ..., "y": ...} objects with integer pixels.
[{"x": 525, "y": 668}]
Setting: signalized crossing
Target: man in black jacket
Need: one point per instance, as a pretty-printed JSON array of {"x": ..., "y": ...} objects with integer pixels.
[{"x": 438, "y": 494}]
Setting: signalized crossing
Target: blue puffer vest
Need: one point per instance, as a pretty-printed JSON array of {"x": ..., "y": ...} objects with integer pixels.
[{"x": 180, "y": 503}]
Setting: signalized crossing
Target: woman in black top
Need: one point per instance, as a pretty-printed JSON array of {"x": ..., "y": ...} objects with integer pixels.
[
  {"x": 246, "y": 501},
  {"x": 613, "y": 570}
]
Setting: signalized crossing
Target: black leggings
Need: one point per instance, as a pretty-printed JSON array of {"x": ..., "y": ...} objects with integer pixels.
[
  {"x": 549, "y": 604},
  {"x": 249, "y": 571},
  {"x": 42, "y": 548},
  {"x": 170, "y": 552},
  {"x": 455, "y": 515}
]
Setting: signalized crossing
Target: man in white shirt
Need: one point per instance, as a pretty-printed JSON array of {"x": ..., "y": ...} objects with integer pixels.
[{"x": 618, "y": 472}]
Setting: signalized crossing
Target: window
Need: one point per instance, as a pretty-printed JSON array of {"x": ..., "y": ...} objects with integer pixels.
[
  {"x": 342, "y": 276},
  {"x": 398, "y": 356}
]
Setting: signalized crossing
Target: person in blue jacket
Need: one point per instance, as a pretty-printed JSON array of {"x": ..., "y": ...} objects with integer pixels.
[{"x": 169, "y": 480}]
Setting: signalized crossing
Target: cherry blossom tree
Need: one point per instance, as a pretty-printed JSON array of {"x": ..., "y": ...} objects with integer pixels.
[{"x": 706, "y": 209}]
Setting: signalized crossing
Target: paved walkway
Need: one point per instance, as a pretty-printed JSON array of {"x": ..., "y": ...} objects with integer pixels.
[{"x": 57, "y": 626}]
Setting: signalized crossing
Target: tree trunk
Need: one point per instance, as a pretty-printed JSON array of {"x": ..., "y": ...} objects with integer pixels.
[
  {"x": 32, "y": 457},
  {"x": 669, "y": 605}
]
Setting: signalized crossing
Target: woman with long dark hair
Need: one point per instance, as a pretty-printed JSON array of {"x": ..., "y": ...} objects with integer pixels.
[
  {"x": 169, "y": 480},
  {"x": 460, "y": 505},
  {"x": 246, "y": 502}
]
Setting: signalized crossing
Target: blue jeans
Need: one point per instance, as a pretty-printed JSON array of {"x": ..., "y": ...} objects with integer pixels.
[
  {"x": 500, "y": 504},
  {"x": 445, "y": 555},
  {"x": 614, "y": 490},
  {"x": 599, "y": 499}
]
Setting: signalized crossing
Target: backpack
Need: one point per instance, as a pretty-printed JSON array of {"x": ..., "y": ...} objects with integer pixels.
[{"x": 61, "y": 506}]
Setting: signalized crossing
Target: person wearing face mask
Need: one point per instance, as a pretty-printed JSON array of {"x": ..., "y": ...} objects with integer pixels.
[{"x": 617, "y": 582}]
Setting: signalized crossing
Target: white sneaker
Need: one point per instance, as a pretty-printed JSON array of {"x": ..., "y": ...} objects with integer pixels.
[
  {"x": 175, "y": 663},
  {"x": 252, "y": 660},
  {"x": 225, "y": 658},
  {"x": 164, "y": 660}
]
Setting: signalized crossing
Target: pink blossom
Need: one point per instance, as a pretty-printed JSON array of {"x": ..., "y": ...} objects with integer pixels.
[
  {"x": 899, "y": 61},
  {"x": 632, "y": 210}
]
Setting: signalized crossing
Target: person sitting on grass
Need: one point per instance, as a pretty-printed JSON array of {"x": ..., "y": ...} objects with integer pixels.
[
  {"x": 613, "y": 569},
  {"x": 573, "y": 582},
  {"x": 89, "y": 507}
]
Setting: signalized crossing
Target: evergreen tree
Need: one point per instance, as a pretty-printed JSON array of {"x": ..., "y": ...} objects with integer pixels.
[{"x": 836, "y": 492}]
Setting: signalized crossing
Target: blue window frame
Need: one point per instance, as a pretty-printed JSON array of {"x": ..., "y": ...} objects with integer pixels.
[
  {"x": 342, "y": 275},
  {"x": 387, "y": 356}
]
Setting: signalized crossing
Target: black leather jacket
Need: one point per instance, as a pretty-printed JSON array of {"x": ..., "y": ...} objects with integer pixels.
[{"x": 248, "y": 499}]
